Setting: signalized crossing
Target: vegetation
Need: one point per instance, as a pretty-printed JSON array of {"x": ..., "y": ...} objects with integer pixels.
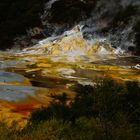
[{"x": 108, "y": 111}]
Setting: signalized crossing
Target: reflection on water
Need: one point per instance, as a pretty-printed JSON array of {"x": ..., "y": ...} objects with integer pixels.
[{"x": 15, "y": 93}]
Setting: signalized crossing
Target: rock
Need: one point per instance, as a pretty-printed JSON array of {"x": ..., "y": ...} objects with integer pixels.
[
  {"x": 72, "y": 45},
  {"x": 17, "y": 16}
]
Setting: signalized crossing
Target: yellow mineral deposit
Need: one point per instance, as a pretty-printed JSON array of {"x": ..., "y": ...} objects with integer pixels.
[{"x": 29, "y": 78}]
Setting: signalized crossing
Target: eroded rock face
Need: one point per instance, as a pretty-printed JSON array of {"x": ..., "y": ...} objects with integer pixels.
[
  {"x": 72, "y": 46},
  {"x": 29, "y": 12}
]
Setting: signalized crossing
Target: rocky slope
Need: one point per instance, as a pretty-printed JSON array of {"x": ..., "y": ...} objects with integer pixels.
[{"x": 116, "y": 20}]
